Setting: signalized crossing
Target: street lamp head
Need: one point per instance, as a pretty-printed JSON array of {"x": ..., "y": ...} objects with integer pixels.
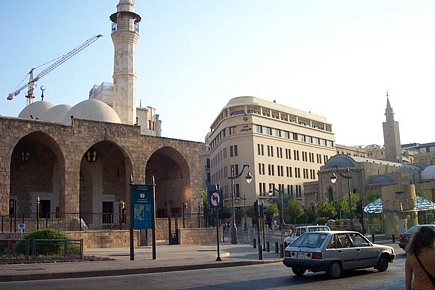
[
  {"x": 248, "y": 178},
  {"x": 333, "y": 177}
]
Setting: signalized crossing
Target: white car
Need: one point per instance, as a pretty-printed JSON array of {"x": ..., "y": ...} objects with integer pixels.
[
  {"x": 335, "y": 252},
  {"x": 299, "y": 231}
]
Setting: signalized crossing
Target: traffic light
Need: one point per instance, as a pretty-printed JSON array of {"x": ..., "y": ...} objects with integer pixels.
[{"x": 256, "y": 208}]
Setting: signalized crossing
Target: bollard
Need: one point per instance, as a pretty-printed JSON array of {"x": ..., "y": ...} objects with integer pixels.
[
  {"x": 276, "y": 247},
  {"x": 260, "y": 252},
  {"x": 268, "y": 246},
  {"x": 394, "y": 239},
  {"x": 373, "y": 238},
  {"x": 281, "y": 248},
  {"x": 254, "y": 241}
]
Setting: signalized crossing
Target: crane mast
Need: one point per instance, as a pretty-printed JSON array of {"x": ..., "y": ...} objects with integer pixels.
[{"x": 31, "y": 84}]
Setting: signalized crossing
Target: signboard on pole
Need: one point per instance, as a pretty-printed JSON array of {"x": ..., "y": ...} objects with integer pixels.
[
  {"x": 142, "y": 205},
  {"x": 215, "y": 198}
]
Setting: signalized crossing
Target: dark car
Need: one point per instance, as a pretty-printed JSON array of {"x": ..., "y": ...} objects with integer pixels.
[
  {"x": 406, "y": 237},
  {"x": 335, "y": 252}
]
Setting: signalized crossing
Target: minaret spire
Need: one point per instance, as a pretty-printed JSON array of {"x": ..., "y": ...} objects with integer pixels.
[
  {"x": 125, "y": 35},
  {"x": 393, "y": 150}
]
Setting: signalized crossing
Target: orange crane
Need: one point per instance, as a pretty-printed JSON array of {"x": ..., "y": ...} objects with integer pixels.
[{"x": 60, "y": 60}]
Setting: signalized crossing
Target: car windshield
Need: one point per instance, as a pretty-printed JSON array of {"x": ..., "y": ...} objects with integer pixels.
[{"x": 310, "y": 240}]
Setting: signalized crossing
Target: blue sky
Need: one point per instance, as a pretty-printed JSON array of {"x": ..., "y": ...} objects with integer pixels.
[{"x": 333, "y": 58}]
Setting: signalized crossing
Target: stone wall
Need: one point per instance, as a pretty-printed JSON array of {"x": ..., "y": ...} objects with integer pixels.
[
  {"x": 106, "y": 239},
  {"x": 203, "y": 236}
]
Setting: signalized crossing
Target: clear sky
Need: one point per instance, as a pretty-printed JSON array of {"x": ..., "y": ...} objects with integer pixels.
[{"x": 334, "y": 58}]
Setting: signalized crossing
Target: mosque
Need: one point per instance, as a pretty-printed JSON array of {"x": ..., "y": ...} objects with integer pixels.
[{"x": 70, "y": 167}]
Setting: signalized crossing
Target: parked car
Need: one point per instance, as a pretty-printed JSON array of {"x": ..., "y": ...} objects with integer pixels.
[
  {"x": 406, "y": 237},
  {"x": 303, "y": 229},
  {"x": 335, "y": 252}
]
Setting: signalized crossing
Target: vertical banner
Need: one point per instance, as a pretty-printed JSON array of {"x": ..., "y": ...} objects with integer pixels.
[{"x": 142, "y": 205}]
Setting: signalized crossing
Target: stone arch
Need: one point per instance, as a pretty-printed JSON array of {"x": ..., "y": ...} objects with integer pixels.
[
  {"x": 171, "y": 174},
  {"x": 104, "y": 184},
  {"x": 37, "y": 170}
]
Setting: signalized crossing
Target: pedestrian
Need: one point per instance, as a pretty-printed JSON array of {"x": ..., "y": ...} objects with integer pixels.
[{"x": 420, "y": 260}]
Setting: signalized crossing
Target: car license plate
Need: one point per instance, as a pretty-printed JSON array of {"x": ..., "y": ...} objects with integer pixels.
[{"x": 302, "y": 255}]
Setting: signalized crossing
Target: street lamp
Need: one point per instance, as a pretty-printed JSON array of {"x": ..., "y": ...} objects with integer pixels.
[
  {"x": 244, "y": 211},
  {"x": 282, "y": 206},
  {"x": 38, "y": 201},
  {"x": 248, "y": 178},
  {"x": 348, "y": 177}
]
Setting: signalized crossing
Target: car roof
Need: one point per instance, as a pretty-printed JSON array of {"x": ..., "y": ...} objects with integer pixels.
[{"x": 334, "y": 232}]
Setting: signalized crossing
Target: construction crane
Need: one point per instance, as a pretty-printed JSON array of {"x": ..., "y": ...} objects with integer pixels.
[{"x": 60, "y": 60}]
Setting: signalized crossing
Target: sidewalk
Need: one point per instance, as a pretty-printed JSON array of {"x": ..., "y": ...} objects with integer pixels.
[{"x": 168, "y": 258}]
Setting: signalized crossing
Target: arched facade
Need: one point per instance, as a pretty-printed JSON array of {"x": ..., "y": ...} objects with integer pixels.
[{"x": 86, "y": 169}]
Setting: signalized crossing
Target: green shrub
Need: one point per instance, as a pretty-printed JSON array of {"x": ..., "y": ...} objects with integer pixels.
[{"x": 46, "y": 248}]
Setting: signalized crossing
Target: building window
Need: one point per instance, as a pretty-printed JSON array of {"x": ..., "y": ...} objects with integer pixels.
[
  {"x": 302, "y": 138},
  {"x": 286, "y": 134},
  {"x": 295, "y": 136},
  {"x": 269, "y": 151},
  {"x": 236, "y": 151},
  {"x": 259, "y": 129},
  {"x": 277, "y": 132},
  {"x": 232, "y": 130},
  {"x": 309, "y": 139},
  {"x": 268, "y": 131},
  {"x": 316, "y": 141}
]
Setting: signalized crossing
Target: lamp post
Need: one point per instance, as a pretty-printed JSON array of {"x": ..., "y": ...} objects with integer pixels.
[
  {"x": 348, "y": 177},
  {"x": 38, "y": 201},
  {"x": 248, "y": 180},
  {"x": 281, "y": 225},
  {"x": 244, "y": 212}
]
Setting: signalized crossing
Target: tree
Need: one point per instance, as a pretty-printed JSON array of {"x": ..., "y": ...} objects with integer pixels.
[
  {"x": 372, "y": 196},
  {"x": 422, "y": 193},
  {"x": 326, "y": 209},
  {"x": 272, "y": 210},
  {"x": 293, "y": 210},
  {"x": 344, "y": 203}
]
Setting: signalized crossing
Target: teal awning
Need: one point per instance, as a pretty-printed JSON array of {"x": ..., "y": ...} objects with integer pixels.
[{"x": 422, "y": 205}]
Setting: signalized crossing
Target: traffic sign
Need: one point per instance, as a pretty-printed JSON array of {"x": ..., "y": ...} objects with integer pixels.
[{"x": 215, "y": 198}]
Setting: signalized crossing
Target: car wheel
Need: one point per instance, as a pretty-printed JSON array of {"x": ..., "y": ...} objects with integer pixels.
[
  {"x": 298, "y": 271},
  {"x": 382, "y": 264},
  {"x": 334, "y": 271}
]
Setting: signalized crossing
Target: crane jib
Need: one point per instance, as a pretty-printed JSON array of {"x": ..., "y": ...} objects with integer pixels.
[{"x": 59, "y": 61}]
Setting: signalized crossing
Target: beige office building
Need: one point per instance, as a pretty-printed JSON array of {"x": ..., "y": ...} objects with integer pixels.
[{"x": 284, "y": 147}]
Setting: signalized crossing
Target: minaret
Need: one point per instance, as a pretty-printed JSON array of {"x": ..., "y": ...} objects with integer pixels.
[
  {"x": 393, "y": 150},
  {"x": 125, "y": 34}
]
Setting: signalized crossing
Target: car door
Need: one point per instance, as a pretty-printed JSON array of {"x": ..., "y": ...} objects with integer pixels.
[
  {"x": 345, "y": 252},
  {"x": 367, "y": 255}
]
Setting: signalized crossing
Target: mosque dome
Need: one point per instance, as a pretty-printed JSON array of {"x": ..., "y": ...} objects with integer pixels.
[
  {"x": 35, "y": 110},
  {"x": 341, "y": 161},
  {"x": 428, "y": 173},
  {"x": 381, "y": 179},
  {"x": 56, "y": 113},
  {"x": 92, "y": 110}
]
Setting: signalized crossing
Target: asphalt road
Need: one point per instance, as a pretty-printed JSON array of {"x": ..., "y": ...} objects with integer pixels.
[{"x": 270, "y": 276}]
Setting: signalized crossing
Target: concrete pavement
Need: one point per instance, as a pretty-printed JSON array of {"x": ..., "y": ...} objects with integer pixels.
[{"x": 168, "y": 258}]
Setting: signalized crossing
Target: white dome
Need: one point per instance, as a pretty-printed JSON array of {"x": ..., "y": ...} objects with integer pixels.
[
  {"x": 92, "y": 110},
  {"x": 35, "y": 110},
  {"x": 56, "y": 113},
  {"x": 428, "y": 173}
]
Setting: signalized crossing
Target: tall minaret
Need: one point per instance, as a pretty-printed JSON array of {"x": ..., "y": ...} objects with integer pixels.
[
  {"x": 125, "y": 34},
  {"x": 393, "y": 150}
]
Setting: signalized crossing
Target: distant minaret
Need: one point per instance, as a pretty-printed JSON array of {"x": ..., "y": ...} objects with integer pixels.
[
  {"x": 125, "y": 34},
  {"x": 393, "y": 150}
]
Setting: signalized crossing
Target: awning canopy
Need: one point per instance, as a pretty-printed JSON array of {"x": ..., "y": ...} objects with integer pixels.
[{"x": 422, "y": 205}]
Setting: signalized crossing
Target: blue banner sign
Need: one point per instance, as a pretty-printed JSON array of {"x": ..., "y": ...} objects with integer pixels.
[{"x": 142, "y": 201}]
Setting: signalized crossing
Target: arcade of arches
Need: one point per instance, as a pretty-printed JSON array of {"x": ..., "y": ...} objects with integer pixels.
[{"x": 87, "y": 167}]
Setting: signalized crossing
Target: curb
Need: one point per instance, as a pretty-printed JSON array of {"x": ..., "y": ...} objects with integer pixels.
[{"x": 132, "y": 271}]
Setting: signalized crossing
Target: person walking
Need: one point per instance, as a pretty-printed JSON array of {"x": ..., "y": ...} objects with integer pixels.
[{"x": 420, "y": 260}]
